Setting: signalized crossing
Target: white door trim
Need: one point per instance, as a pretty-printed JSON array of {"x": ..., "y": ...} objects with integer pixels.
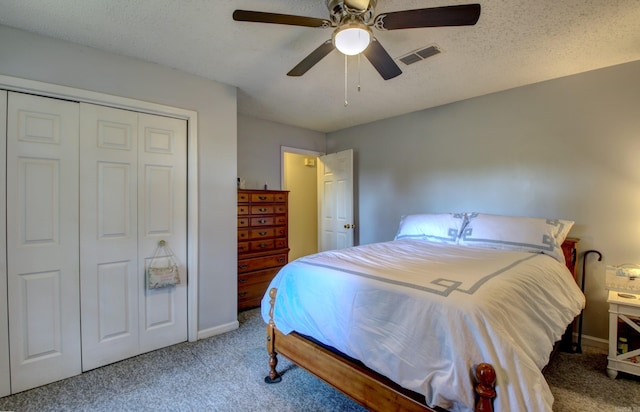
[
  {"x": 80, "y": 95},
  {"x": 5, "y": 376}
]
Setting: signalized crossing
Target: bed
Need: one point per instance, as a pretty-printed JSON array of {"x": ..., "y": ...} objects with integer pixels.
[{"x": 403, "y": 324}]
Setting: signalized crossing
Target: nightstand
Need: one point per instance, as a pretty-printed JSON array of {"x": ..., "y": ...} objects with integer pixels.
[{"x": 624, "y": 333}]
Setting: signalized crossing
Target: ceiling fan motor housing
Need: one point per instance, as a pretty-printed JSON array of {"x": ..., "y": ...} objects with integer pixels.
[{"x": 341, "y": 10}]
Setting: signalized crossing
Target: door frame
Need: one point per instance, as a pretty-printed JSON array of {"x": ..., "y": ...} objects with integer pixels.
[{"x": 69, "y": 93}]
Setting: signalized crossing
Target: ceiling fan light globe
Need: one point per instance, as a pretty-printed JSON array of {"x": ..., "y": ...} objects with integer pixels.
[{"x": 352, "y": 40}]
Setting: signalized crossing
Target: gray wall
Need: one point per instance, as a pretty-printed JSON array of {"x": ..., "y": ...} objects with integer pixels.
[
  {"x": 34, "y": 57},
  {"x": 567, "y": 148},
  {"x": 259, "y": 143}
]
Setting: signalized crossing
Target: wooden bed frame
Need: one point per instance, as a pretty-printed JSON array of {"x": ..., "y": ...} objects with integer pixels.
[{"x": 368, "y": 388}]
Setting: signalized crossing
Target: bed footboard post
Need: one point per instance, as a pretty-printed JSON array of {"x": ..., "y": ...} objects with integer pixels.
[
  {"x": 486, "y": 376},
  {"x": 274, "y": 376}
]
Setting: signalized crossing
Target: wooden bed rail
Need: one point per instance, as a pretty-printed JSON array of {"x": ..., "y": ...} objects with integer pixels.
[{"x": 368, "y": 388}]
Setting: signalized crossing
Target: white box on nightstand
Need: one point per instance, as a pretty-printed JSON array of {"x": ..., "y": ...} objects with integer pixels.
[{"x": 629, "y": 282}]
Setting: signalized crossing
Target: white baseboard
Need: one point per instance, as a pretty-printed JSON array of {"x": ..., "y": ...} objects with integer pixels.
[
  {"x": 595, "y": 342},
  {"x": 218, "y": 330}
]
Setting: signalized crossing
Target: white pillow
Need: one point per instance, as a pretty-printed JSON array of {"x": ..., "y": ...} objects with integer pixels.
[
  {"x": 442, "y": 227},
  {"x": 526, "y": 234}
]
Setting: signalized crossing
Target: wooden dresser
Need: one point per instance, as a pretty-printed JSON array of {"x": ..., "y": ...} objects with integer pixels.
[{"x": 263, "y": 246}]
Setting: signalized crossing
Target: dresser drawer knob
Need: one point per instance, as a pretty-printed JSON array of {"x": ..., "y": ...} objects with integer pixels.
[
  {"x": 262, "y": 245},
  {"x": 242, "y": 294},
  {"x": 262, "y": 221},
  {"x": 262, "y": 233},
  {"x": 262, "y": 197},
  {"x": 244, "y": 280},
  {"x": 281, "y": 259},
  {"x": 242, "y": 266},
  {"x": 262, "y": 209}
]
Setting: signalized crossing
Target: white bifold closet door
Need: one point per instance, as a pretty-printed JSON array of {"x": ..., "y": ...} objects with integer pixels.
[
  {"x": 133, "y": 195},
  {"x": 90, "y": 191},
  {"x": 42, "y": 240}
]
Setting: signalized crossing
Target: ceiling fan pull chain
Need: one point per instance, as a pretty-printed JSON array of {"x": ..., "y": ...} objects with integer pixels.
[
  {"x": 359, "y": 54},
  {"x": 346, "y": 101}
]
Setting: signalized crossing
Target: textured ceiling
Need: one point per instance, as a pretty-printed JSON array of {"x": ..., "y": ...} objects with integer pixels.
[{"x": 514, "y": 43}]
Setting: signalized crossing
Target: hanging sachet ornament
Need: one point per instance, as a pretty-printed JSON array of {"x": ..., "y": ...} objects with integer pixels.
[{"x": 164, "y": 275}]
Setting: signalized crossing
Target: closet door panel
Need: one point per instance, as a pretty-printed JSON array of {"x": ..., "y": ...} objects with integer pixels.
[
  {"x": 42, "y": 240},
  {"x": 162, "y": 180},
  {"x": 159, "y": 194},
  {"x": 5, "y": 381},
  {"x": 108, "y": 235}
]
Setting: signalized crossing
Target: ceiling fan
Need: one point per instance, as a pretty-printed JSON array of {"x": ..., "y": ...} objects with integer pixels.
[{"x": 353, "y": 19}]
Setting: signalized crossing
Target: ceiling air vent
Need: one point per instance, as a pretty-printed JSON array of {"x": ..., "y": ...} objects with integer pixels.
[{"x": 420, "y": 54}]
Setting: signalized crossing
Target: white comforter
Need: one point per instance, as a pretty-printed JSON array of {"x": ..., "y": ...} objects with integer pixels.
[{"x": 425, "y": 314}]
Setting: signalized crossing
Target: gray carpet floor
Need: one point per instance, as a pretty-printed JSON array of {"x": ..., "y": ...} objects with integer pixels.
[{"x": 225, "y": 373}]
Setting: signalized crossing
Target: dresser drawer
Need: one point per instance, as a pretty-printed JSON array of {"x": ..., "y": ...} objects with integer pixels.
[
  {"x": 262, "y": 245},
  {"x": 263, "y": 221},
  {"x": 262, "y": 233},
  {"x": 263, "y": 210},
  {"x": 243, "y": 222},
  {"x": 247, "y": 265},
  {"x": 243, "y": 197},
  {"x": 268, "y": 221},
  {"x": 260, "y": 276},
  {"x": 251, "y": 295},
  {"x": 243, "y": 247},
  {"x": 253, "y": 286},
  {"x": 243, "y": 209},
  {"x": 262, "y": 197},
  {"x": 243, "y": 234}
]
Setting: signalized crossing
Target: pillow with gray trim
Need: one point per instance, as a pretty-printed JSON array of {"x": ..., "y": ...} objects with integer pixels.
[
  {"x": 435, "y": 227},
  {"x": 525, "y": 234}
]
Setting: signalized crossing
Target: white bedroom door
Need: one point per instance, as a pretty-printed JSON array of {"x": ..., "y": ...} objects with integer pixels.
[
  {"x": 5, "y": 381},
  {"x": 42, "y": 240},
  {"x": 335, "y": 201},
  {"x": 133, "y": 183}
]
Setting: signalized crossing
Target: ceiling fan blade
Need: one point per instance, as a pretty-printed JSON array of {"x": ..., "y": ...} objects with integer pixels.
[
  {"x": 460, "y": 15},
  {"x": 381, "y": 60},
  {"x": 275, "y": 18},
  {"x": 313, "y": 58}
]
